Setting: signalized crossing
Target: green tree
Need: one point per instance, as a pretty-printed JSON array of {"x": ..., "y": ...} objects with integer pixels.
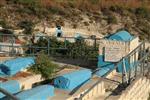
[
  {"x": 44, "y": 66},
  {"x": 27, "y": 26}
]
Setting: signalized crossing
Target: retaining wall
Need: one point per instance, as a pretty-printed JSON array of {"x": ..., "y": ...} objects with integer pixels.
[{"x": 138, "y": 90}]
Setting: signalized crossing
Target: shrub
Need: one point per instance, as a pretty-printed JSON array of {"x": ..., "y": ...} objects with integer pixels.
[
  {"x": 142, "y": 12},
  {"x": 27, "y": 2},
  {"x": 74, "y": 25},
  {"x": 44, "y": 66},
  {"x": 4, "y": 24},
  {"x": 73, "y": 50},
  {"x": 86, "y": 23},
  {"x": 144, "y": 26},
  {"x": 27, "y": 26},
  {"x": 111, "y": 19},
  {"x": 116, "y": 8},
  {"x": 90, "y": 5}
]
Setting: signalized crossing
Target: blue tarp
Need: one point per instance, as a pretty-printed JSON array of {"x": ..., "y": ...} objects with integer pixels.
[
  {"x": 121, "y": 36},
  {"x": 128, "y": 65},
  {"x": 109, "y": 65},
  {"x": 10, "y": 86},
  {"x": 101, "y": 62},
  {"x": 38, "y": 93},
  {"x": 105, "y": 70},
  {"x": 102, "y": 71},
  {"x": 73, "y": 80},
  {"x": 13, "y": 66}
]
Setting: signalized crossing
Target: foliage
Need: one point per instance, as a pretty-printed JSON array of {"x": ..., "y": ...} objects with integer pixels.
[
  {"x": 42, "y": 42},
  {"x": 4, "y": 24},
  {"x": 44, "y": 66},
  {"x": 144, "y": 26},
  {"x": 78, "y": 49},
  {"x": 28, "y": 2},
  {"x": 27, "y": 26},
  {"x": 6, "y": 31},
  {"x": 111, "y": 19},
  {"x": 142, "y": 12},
  {"x": 54, "y": 43},
  {"x": 117, "y": 9},
  {"x": 56, "y": 6}
]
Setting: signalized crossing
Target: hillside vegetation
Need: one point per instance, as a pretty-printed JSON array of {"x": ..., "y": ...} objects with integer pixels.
[
  {"x": 134, "y": 15},
  {"x": 88, "y": 5}
]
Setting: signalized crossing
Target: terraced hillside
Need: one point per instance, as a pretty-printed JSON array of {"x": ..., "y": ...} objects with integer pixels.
[{"x": 92, "y": 16}]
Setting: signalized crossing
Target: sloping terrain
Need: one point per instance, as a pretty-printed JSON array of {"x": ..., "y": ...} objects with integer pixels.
[{"x": 91, "y": 16}]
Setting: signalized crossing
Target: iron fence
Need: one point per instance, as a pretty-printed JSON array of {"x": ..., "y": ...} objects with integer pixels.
[{"x": 32, "y": 45}]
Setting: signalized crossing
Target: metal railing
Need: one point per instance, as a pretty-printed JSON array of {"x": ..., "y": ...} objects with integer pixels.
[
  {"x": 140, "y": 61},
  {"x": 33, "y": 49},
  {"x": 9, "y": 95},
  {"x": 90, "y": 89},
  {"x": 143, "y": 55}
]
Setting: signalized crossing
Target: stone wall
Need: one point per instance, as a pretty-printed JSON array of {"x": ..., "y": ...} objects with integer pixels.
[
  {"x": 98, "y": 90},
  {"x": 27, "y": 82},
  {"x": 138, "y": 90}
]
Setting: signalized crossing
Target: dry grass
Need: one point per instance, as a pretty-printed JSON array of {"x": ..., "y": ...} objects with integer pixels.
[
  {"x": 2, "y": 2},
  {"x": 123, "y": 3},
  {"x": 92, "y": 5},
  {"x": 48, "y": 3},
  {"x": 88, "y": 4}
]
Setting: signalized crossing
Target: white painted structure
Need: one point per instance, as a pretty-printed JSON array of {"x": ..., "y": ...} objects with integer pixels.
[
  {"x": 123, "y": 48},
  {"x": 9, "y": 47}
]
